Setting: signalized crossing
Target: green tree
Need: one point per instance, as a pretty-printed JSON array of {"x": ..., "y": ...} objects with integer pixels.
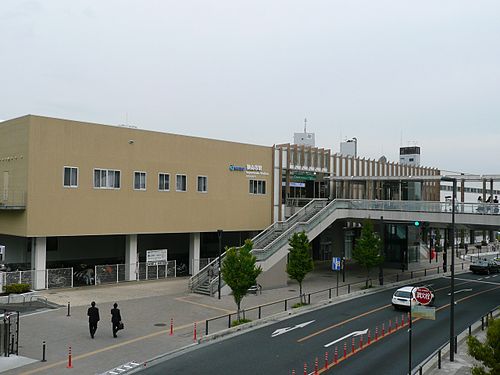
[
  {"x": 239, "y": 271},
  {"x": 366, "y": 252},
  {"x": 488, "y": 352},
  {"x": 300, "y": 262}
]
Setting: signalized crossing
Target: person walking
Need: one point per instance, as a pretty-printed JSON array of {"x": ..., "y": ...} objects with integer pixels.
[
  {"x": 116, "y": 319},
  {"x": 93, "y": 314}
]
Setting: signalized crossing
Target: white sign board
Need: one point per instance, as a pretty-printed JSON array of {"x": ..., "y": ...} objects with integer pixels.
[{"x": 154, "y": 257}]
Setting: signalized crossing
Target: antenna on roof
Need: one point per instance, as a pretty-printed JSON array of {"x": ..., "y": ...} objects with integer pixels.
[{"x": 305, "y": 125}]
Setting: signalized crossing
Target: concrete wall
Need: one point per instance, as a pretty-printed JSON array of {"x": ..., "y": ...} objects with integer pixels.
[{"x": 16, "y": 249}]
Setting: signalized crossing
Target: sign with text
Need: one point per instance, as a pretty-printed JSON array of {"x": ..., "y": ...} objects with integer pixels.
[
  {"x": 423, "y": 295},
  {"x": 336, "y": 264},
  {"x": 154, "y": 257}
]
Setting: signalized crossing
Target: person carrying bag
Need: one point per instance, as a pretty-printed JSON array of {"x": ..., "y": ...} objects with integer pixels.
[{"x": 116, "y": 319}]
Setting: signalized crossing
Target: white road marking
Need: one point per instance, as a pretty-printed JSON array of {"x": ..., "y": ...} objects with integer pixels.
[
  {"x": 477, "y": 281},
  {"x": 461, "y": 290},
  {"x": 487, "y": 277},
  {"x": 352, "y": 334},
  {"x": 288, "y": 329}
]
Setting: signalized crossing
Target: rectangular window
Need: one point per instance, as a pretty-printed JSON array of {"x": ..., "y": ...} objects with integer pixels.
[
  {"x": 70, "y": 177},
  {"x": 180, "y": 182},
  {"x": 257, "y": 187},
  {"x": 202, "y": 184},
  {"x": 163, "y": 181},
  {"x": 139, "y": 180},
  {"x": 106, "y": 179}
]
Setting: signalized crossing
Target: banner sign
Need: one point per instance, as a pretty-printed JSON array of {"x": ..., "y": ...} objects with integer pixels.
[
  {"x": 336, "y": 264},
  {"x": 423, "y": 312}
]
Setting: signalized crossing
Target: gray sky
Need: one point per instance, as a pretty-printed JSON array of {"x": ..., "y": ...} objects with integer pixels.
[{"x": 385, "y": 72}]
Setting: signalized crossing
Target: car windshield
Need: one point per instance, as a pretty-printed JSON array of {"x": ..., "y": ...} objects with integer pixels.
[{"x": 400, "y": 293}]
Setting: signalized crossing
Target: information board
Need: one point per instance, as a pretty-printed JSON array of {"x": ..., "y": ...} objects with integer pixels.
[
  {"x": 155, "y": 257},
  {"x": 336, "y": 264}
]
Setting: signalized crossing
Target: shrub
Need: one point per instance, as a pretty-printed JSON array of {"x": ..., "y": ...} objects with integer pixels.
[
  {"x": 238, "y": 322},
  {"x": 299, "y": 304},
  {"x": 17, "y": 288}
]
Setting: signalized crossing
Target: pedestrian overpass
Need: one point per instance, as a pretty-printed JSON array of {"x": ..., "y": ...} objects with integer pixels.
[{"x": 271, "y": 245}]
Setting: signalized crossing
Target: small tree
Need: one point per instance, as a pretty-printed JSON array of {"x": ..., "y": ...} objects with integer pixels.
[
  {"x": 367, "y": 250},
  {"x": 300, "y": 262},
  {"x": 487, "y": 353},
  {"x": 239, "y": 271}
]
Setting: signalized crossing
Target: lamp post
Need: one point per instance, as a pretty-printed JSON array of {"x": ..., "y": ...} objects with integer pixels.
[
  {"x": 382, "y": 252},
  {"x": 452, "y": 278},
  {"x": 219, "y": 234},
  {"x": 410, "y": 333}
]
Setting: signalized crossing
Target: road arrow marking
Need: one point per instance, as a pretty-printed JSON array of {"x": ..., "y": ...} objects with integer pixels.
[
  {"x": 461, "y": 290},
  {"x": 288, "y": 329},
  {"x": 352, "y": 334}
]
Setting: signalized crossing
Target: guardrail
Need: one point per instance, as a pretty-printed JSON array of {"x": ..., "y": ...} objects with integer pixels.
[
  {"x": 483, "y": 322},
  {"x": 12, "y": 200}
]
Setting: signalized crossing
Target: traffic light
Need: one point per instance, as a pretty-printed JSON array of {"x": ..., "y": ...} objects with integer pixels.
[{"x": 417, "y": 223}]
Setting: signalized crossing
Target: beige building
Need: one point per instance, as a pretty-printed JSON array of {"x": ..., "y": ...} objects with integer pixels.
[
  {"x": 83, "y": 192},
  {"x": 76, "y": 193}
]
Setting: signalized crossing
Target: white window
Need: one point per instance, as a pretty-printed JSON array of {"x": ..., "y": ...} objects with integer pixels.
[
  {"x": 180, "y": 182},
  {"x": 106, "y": 179},
  {"x": 257, "y": 187},
  {"x": 163, "y": 181},
  {"x": 202, "y": 184},
  {"x": 70, "y": 178},
  {"x": 139, "y": 180}
]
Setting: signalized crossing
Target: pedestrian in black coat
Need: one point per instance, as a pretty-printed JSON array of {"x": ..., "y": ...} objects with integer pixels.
[
  {"x": 93, "y": 314},
  {"x": 116, "y": 319}
]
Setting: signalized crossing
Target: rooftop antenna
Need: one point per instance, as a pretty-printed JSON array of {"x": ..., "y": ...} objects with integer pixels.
[
  {"x": 305, "y": 125},
  {"x": 401, "y": 139}
]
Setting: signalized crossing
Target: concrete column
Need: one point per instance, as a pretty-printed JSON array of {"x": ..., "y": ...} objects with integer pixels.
[
  {"x": 39, "y": 262},
  {"x": 131, "y": 257},
  {"x": 194, "y": 252}
]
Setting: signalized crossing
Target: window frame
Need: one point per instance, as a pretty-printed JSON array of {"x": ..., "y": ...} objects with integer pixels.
[
  {"x": 106, "y": 187},
  {"x": 70, "y": 186},
  {"x": 163, "y": 174},
  {"x": 253, "y": 187},
  {"x": 198, "y": 184},
  {"x": 141, "y": 173},
  {"x": 177, "y": 175}
]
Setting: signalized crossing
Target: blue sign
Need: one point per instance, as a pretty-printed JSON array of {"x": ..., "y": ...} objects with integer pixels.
[
  {"x": 236, "y": 168},
  {"x": 336, "y": 264}
]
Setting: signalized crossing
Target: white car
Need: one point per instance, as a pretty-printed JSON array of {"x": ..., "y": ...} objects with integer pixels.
[{"x": 401, "y": 297}]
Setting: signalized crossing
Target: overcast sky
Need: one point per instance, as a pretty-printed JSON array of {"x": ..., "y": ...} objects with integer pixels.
[{"x": 389, "y": 73}]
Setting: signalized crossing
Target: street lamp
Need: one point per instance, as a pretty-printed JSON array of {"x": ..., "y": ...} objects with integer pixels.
[
  {"x": 219, "y": 234},
  {"x": 452, "y": 281}
]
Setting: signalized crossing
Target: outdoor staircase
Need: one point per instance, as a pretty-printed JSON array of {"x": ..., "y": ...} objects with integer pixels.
[{"x": 263, "y": 244}]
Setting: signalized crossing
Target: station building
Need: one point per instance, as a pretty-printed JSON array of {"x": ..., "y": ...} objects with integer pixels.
[{"x": 83, "y": 193}]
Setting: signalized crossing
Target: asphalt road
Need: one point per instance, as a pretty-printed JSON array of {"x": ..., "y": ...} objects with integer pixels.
[{"x": 258, "y": 352}]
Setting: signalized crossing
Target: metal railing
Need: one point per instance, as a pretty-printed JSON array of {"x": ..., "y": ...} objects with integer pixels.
[
  {"x": 267, "y": 309},
  {"x": 12, "y": 199},
  {"x": 429, "y": 361}
]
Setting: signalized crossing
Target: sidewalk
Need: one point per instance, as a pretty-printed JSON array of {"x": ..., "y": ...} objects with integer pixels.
[{"x": 147, "y": 309}]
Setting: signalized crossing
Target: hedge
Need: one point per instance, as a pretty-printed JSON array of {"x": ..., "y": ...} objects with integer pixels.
[{"x": 17, "y": 288}]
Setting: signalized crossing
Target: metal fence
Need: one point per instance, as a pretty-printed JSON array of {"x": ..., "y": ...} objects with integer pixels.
[
  {"x": 53, "y": 278},
  {"x": 116, "y": 273},
  {"x": 99, "y": 274}
]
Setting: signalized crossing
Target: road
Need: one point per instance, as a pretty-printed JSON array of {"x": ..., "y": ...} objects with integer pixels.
[{"x": 291, "y": 343}]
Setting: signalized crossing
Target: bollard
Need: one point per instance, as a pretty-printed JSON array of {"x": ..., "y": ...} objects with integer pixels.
[
  {"x": 171, "y": 326},
  {"x": 369, "y": 338},
  {"x": 336, "y": 356},
  {"x": 402, "y": 320},
  {"x": 376, "y": 333},
  {"x": 456, "y": 344},
  {"x": 206, "y": 327},
  {"x": 69, "y": 309},
  {"x": 194, "y": 332},
  {"x": 482, "y": 323},
  {"x": 390, "y": 327},
  {"x": 353, "y": 345},
  {"x": 345, "y": 349},
  {"x": 439, "y": 359},
  {"x": 43, "y": 352},
  {"x": 70, "y": 364},
  {"x": 348, "y": 288},
  {"x": 470, "y": 330},
  {"x": 293, "y": 372},
  {"x": 326, "y": 360},
  {"x": 396, "y": 323},
  {"x": 361, "y": 342},
  {"x": 316, "y": 366},
  {"x": 305, "y": 368}
]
